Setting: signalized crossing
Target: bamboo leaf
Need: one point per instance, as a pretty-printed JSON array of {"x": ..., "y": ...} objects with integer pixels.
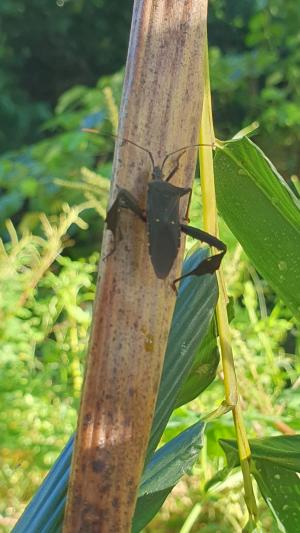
[
  {"x": 275, "y": 463},
  {"x": 165, "y": 469},
  {"x": 263, "y": 214},
  {"x": 204, "y": 368}
]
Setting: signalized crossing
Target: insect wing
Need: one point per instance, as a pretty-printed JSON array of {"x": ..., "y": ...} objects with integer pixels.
[{"x": 163, "y": 226}]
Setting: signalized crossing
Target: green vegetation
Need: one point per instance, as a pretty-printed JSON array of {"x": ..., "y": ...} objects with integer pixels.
[
  {"x": 56, "y": 188},
  {"x": 49, "y": 47}
]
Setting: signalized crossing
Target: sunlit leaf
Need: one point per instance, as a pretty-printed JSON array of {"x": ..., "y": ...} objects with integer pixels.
[
  {"x": 263, "y": 214},
  {"x": 165, "y": 469},
  {"x": 275, "y": 464}
]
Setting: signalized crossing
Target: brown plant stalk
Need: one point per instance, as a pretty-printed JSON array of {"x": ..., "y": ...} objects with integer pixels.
[{"x": 160, "y": 110}]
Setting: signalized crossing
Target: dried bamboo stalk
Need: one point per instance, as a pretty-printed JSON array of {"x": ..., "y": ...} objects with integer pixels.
[{"x": 161, "y": 110}]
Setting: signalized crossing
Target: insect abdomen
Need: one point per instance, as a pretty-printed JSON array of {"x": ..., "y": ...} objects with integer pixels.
[{"x": 163, "y": 226}]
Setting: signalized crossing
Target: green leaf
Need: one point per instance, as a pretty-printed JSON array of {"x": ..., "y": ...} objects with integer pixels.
[
  {"x": 193, "y": 313},
  {"x": 281, "y": 490},
  {"x": 204, "y": 369},
  {"x": 168, "y": 465},
  {"x": 275, "y": 463},
  {"x": 71, "y": 99},
  {"x": 263, "y": 214}
]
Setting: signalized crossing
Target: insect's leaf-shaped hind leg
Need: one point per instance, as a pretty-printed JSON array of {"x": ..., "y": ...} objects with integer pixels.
[
  {"x": 210, "y": 264},
  {"x": 125, "y": 200}
]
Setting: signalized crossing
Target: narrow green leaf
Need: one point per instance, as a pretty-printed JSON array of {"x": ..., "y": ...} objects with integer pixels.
[
  {"x": 263, "y": 214},
  {"x": 165, "y": 469},
  {"x": 283, "y": 450},
  {"x": 193, "y": 314},
  {"x": 275, "y": 464},
  {"x": 203, "y": 370},
  {"x": 281, "y": 490}
]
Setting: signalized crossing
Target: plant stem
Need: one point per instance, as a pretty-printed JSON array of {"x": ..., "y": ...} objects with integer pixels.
[
  {"x": 210, "y": 225},
  {"x": 133, "y": 308}
]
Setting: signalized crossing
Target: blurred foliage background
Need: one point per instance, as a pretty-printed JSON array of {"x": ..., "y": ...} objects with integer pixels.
[{"x": 61, "y": 69}]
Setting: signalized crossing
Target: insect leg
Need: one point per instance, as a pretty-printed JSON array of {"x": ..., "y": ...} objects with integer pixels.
[
  {"x": 174, "y": 170},
  {"x": 186, "y": 216},
  {"x": 210, "y": 264},
  {"x": 125, "y": 200}
]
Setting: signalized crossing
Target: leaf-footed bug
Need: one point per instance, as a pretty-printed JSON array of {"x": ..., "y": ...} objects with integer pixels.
[{"x": 162, "y": 218}]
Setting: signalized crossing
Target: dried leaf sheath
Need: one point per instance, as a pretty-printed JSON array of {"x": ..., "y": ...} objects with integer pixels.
[{"x": 161, "y": 108}]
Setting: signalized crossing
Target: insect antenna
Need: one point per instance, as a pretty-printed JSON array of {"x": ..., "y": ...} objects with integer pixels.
[
  {"x": 183, "y": 148},
  {"x": 91, "y": 130}
]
